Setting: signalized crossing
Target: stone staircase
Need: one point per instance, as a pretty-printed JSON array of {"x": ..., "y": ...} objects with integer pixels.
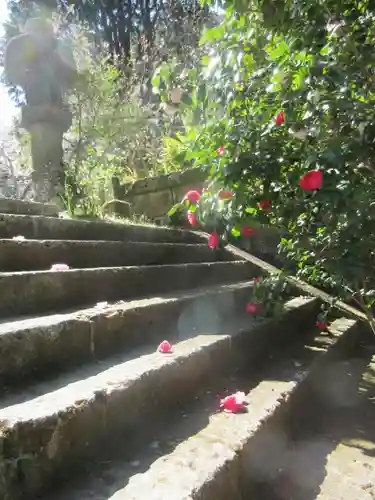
[{"x": 90, "y": 409}]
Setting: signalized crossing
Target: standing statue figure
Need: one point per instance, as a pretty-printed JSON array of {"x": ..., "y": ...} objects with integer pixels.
[{"x": 39, "y": 63}]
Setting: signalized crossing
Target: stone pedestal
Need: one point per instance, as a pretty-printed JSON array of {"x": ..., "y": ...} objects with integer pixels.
[{"x": 46, "y": 125}]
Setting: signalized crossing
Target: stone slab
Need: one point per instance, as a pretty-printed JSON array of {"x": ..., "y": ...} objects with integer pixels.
[
  {"x": 37, "y": 292},
  {"x": 52, "y": 428},
  {"x": 40, "y": 227},
  {"x": 32, "y": 348},
  {"x": 29, "y": 255}
]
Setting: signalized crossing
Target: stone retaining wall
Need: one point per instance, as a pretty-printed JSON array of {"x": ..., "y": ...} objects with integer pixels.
[{"x": 153, "y": 197}]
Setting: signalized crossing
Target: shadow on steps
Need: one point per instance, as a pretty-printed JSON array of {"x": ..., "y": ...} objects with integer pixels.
[{"x": 325, "y": 443}]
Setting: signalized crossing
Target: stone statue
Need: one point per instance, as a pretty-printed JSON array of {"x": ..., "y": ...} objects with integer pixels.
[{"x": 44, "y": 68}]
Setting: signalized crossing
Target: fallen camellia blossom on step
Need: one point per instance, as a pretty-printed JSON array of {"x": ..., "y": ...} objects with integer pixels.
[
  {"x": 165, "y": 347},
  {"x": 233, "y": 403},
  {"x": 18, "y": 238},
  {"x": 60, "y": 267}
]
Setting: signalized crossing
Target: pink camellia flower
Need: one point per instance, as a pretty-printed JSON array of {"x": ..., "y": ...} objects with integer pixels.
[
  {"x": 311, "y": 180},
  {"x": 165, "y": 347},
  {"x": 18, "y": 238},
  {"x": 264, "y": 205},
  {"x": 213, "y": 240},
  {"x": 220, "y": 150},
  {"x": 193, "y": 196},
  {"x": 233, "y": 403},
  {"x": 60, "y": 267},
  {"x": 251, "y": 308},
  {"x": 192, "y": 218},
  {"x": 247, "y": 231},
  {"x": 225, "y": 195},
  {"x": 321, "y": 325},
  {"x": 280, "y": 118}
]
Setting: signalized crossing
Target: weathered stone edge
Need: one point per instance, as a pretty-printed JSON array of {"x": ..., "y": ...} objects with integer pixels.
[
  {"x": 22, "y": 207},
  {"x": 27, "y": 255},
  {"x": 42, "y": 227},
  {"x": 37, "y": 292}
]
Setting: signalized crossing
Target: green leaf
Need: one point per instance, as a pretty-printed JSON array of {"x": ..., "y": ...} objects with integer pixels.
[
  {"x": 236, "y": 232},
  {"x": 175, "y": 208}
]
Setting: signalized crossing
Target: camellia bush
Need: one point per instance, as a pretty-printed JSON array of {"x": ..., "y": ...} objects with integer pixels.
[{"x": 294, "y": 145}]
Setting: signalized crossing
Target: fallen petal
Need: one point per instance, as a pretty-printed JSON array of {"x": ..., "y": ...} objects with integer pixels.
[
  {"x": 18, "y": 238},
  {"x": 60, "y": 267},
  {"x": 165, "y": 347},
  {"x": 233, "y": 403}
]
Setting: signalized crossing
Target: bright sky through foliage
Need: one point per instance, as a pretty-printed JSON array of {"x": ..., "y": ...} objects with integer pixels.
[{"x": 7, "y": 108}]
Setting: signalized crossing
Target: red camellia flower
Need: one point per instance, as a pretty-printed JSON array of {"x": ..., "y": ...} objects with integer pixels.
[
  {"x": 257, "y": 280},
  {"x": 264, "y": 205},
  {"x": 233, "y": 403},
  {"x": 321, "y": 325},
  {"x": 247, "y": 231},
  {"x": 225, "y": 195},
  {"x": 251, "y": 308},
  {"x": 220, "y": 150},
  {"x": 280, "y": 118},
  {"x": 213, "y": 240},
  {"x": 193, "y": 196},
  {"x": 192, "y": 218},
  {"x": 312, "y": 180},
  {"x": 165, "y": 347}
]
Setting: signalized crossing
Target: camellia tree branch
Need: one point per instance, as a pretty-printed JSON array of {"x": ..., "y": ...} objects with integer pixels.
[{"x": 295, "y": 82}]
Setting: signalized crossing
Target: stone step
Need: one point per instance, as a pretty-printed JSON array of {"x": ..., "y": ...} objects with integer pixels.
[
  {"x": 35, "y": 348},
  {"x": 48, "y": 431},
  {"x": 40, "y": 227},
  {"x": 37, "y": 292},
  {"x": 28, "y": 255},
  {"x": 208, "y": 455},
  {"x": 14, "y": 206}
]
